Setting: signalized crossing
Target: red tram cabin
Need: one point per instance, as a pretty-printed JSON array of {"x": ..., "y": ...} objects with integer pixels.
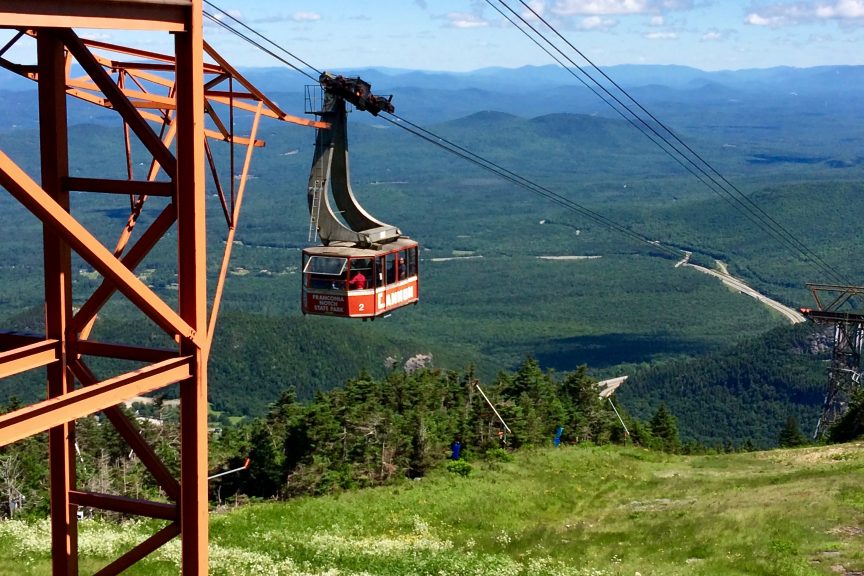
[{"x": 359, "y": 282}]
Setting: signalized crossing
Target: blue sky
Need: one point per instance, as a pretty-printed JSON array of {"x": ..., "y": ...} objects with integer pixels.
[{"x": 462, "y": 35}]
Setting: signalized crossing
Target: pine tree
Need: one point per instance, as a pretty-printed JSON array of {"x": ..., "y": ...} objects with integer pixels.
[
  {"x": 791, "y": 436},
  {"x": 664, "y": 427},
  {"x": 266, "y": 463},
  {"x": 851, "y": 425},
  {"x": 587, "y": 416}
]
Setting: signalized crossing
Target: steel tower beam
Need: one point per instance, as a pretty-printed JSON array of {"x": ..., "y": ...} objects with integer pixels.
[
  {"x": 62, "y": 348},
  {"x": 54, "y": 145},
  {"x": 192, "y": 286},
  {"x": 182, "y": 96},
  {"x": 167, "y": 15}
]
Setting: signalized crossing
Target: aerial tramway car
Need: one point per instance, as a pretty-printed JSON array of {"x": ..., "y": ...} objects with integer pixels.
[
  {"x": 363, "y": 268},
  {"x": 359, "y": 282}
]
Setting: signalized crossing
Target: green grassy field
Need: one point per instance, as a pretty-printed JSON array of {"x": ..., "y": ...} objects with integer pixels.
[{"x": 576, "y": 511}]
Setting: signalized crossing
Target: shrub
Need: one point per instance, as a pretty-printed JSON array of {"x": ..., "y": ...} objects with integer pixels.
[
  {"x": 460, "y": 467},
  {"x": 499, "y": 455}
]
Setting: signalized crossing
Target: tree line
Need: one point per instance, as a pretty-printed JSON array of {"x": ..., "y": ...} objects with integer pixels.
[
  {"x": 376, "y": 430},
  {"x": 370, "y": 432}
]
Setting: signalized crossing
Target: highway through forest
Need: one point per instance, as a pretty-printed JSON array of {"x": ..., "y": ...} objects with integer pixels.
[{"x": 794, "y": 316}]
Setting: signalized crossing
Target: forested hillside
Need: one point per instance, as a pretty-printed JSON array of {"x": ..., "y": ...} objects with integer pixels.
[
  {"x": 740, "y": 395},
  {"x": 506, "y": 274}
]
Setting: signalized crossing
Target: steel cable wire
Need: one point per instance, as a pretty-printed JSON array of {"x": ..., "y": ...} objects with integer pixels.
[
  {"x": 735, "y": 197},
  {"x": 503, "y": 172},
  {"x": 523, "y": 182}
]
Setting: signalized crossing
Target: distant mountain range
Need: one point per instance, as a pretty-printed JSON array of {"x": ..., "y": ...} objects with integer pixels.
[
  {"x": 527, "y": 91},
  {"x": 533, "y": 78}
]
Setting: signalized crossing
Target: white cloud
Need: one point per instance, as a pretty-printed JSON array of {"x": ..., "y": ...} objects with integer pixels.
[
  {"x": 713, "y": 36},
  {"x": 97, "y": 36},
  {"x": 538, "y": 7},
  {"x": 233, "y": 13},
  {"x": 306, "y": 17},
  {"x": 597, "y": 23},
  {"x": 755, "y": 19},
  {"x": 775, "y": 18},
  {"x": 820, "y": 38},
  {"x": 600, "y": 7},
  {"x": 617, "y": 7},
  {"x": 657, "y": 21},
  {"x": 661, "y": 35},
  {"x": 466, "y": 20},
  {"x": 841, "y": 10},
  {"x": 278, "y": 17},
  {"x": 675, "y": 4},
  {"x": 777, "y": 15}
]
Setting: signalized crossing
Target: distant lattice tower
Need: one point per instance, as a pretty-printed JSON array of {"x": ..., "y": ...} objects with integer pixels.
[{"x": 835, "y": 306}]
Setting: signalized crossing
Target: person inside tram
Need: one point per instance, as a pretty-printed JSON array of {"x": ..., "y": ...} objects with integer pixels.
[
  {"x": 357, "y": 281},
  {"x": 360, "y": 275}
]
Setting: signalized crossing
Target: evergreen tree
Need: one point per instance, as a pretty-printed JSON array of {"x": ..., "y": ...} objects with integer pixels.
[
  {"x": 664, "y": 427},
  {"x": 588, "y": 418},
  {"x": 266, "y": 463},
  {"x": 532, "y": 408},
  {"x": 368, "y": 433},
  {"x": 640, "y": 434},
  {"x": 851, "y": 425},
  {"x": 287, "y": 419},
  {"x": 791, "y": 436},
  {"x": 420, "y": 459}
]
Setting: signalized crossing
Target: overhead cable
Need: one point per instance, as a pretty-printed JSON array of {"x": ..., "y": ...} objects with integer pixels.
[
  {"x": 744, "y": 198},
  {"x": 708, "y": 177},
  {"x": 224, "y": 25},
  {"x": 529, "y": 185},
  {"x": 718, "y": 183},
  {"x": 460, "y": 151},
  {"x": 594, "y": 90},
  {"x": 261, "y": 36}
]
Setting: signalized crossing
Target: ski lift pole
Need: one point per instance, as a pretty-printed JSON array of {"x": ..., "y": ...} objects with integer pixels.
[
  {"x": 608, "y": 388},
  {"x": 244, "y": 467},
  {"x": 626, "y": 432},
  {"x": 500, "y": 419}
]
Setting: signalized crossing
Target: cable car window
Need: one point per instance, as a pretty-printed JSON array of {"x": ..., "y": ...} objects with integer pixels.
[
  {"x": 325, "y": 272},
  {"x": 326, "y": 265},
  {"x": 360, "y": 274},
  {"x": 400, "y": 265},
  {"x": 411, "y": 261},
  {"x": 391, "y": 268}
]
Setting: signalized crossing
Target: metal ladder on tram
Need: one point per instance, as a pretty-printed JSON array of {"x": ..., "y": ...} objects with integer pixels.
[{"x": 314, "y": 210}]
